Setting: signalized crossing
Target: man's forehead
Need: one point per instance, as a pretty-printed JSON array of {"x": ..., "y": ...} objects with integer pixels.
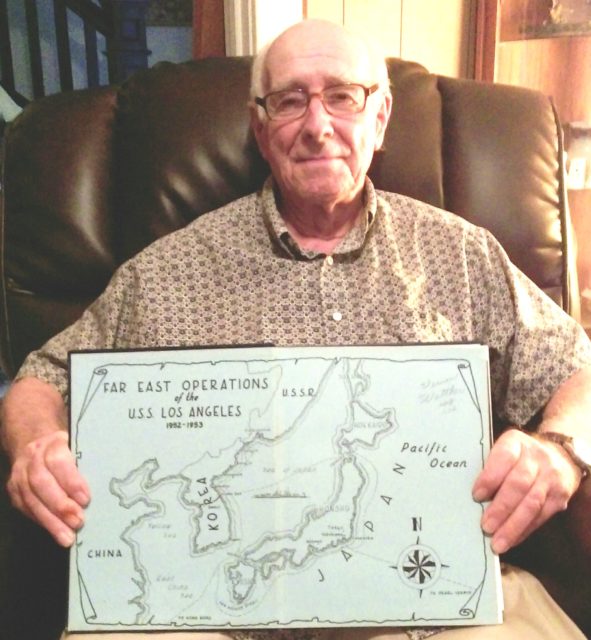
[
  {"x": 310, "y": 79},
  {"x": 315, "y": 63}
]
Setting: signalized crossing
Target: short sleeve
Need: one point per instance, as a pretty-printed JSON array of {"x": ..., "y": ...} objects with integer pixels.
[
  {"x": 534, "y": 344},
  {"x": 99, "y": 327}
]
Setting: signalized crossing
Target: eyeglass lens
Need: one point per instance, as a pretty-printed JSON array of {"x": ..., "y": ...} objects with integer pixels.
[{"x": 340, "y": 99}]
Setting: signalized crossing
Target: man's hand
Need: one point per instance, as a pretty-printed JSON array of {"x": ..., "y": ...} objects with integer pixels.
[
  {"x": 44, "y": 482},
  {"x": 528, "y": 481},
  {"x": 46, "y": 486}
]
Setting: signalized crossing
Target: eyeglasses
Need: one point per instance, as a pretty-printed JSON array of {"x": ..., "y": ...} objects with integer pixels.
[{"x": 338, "y": 100}]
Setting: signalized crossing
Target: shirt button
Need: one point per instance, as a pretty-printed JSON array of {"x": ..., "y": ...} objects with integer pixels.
[
  {"x": 337, "y": 316},
  {"x": 329, "y": 261}
]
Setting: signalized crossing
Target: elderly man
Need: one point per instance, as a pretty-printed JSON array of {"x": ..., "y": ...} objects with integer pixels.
[{"x": 321, "y": 257}]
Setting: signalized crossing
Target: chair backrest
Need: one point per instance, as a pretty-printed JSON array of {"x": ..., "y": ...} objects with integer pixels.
[{"x": 91, "y": 177}]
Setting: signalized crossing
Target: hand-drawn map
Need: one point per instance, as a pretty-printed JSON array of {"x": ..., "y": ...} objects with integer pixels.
[{"x": 281, "y": 487}]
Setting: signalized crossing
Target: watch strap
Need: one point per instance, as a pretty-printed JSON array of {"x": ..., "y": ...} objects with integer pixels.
[{"x": 567, "y": 443}]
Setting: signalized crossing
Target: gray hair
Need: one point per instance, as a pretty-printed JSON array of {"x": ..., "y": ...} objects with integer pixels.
[
  {"x": 257, "y": 85},
  {"x": 375, "y": 55}
]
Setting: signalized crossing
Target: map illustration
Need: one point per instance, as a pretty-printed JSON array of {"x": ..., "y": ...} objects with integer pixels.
[{"x": 270, "y": 487}]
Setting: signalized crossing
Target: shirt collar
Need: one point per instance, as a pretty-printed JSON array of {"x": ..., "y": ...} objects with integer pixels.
[{"x": 353, "y": 242}]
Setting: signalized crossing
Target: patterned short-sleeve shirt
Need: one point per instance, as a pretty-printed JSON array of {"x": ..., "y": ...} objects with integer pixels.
[{"x": 406, "y": 273}]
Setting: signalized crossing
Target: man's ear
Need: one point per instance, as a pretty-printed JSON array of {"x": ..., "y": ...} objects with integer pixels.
[
  {"x": 382, "y": 119},
  {"x": 258, "y": 128}
]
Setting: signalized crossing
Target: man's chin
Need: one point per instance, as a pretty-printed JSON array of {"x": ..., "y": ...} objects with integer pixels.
[
  {"x": 323, "y": 198},
  {"x": 320, "y": 192}
]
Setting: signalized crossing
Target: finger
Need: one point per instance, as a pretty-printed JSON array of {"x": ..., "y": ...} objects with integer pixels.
[
  {"x": 517, "y": 485},
  {"x": 53, "y": 477},
  {"x": 538, "y": 522},
  {"x": 14, "y": 494},
  {"x": 542, "y": 518},
  {"x": 42, "y": 486},
  {"x": 503, "y": 456},
  {"x": 529, "y": 513},
  {"x": 58, "y": 529},
  {"x": 24, "y": 500},
  {"x": 36, "y": 484},
  {"x": 61, "y": 464},
  {"x": 543, "y": 501}
]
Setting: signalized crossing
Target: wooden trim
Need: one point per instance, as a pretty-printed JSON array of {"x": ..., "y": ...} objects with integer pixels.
[
  {"x": 486, "y": 40},
  {"x": 208, "y": 29}
]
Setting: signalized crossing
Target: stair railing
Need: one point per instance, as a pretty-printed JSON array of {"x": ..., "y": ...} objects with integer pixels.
[{"x": 122, "y": 23}]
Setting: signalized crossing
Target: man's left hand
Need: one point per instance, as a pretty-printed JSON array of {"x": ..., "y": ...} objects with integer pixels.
[{"x": 527, "y": 480}]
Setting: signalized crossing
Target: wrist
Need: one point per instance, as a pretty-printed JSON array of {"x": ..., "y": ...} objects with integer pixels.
[{"x": 577, "y": 449}]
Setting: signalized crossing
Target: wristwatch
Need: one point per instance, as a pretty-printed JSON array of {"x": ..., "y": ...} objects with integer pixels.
[{"x": 578, "y": 449}]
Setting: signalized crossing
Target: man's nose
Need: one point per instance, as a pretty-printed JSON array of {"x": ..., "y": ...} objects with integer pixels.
[{"x": 317, "y": 121}]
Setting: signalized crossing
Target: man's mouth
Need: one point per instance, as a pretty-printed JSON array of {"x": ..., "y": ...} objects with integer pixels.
[{"x": 319, "y": 159}]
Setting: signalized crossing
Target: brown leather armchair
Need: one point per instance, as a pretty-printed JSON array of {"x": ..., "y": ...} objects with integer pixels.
[{"x": 91, "y": 177}]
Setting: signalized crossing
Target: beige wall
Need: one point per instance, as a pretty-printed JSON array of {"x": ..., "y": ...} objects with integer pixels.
[
  {"x": 379, "y": 18},
  {"x": 440, "y": 35},
  {"x": 436, "y": 33}
]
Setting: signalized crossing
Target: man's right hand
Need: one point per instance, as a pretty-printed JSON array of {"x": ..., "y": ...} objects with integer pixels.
[
  {"x": 44, "y": 482},
  {"x": 46, "y": 486}
]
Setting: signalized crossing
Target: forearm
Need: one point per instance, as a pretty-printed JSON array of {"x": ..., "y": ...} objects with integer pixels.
[
  {"x": 31, "y": 409},
  {"x": 569, "y": 409},
  {"x": 569, "y": 412}
]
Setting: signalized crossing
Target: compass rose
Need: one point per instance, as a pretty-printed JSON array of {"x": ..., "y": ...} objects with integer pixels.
[{"x": 419, "y": 566}]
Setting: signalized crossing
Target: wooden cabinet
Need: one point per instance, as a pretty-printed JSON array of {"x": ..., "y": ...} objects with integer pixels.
[{"x": 546, "y": 45}]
